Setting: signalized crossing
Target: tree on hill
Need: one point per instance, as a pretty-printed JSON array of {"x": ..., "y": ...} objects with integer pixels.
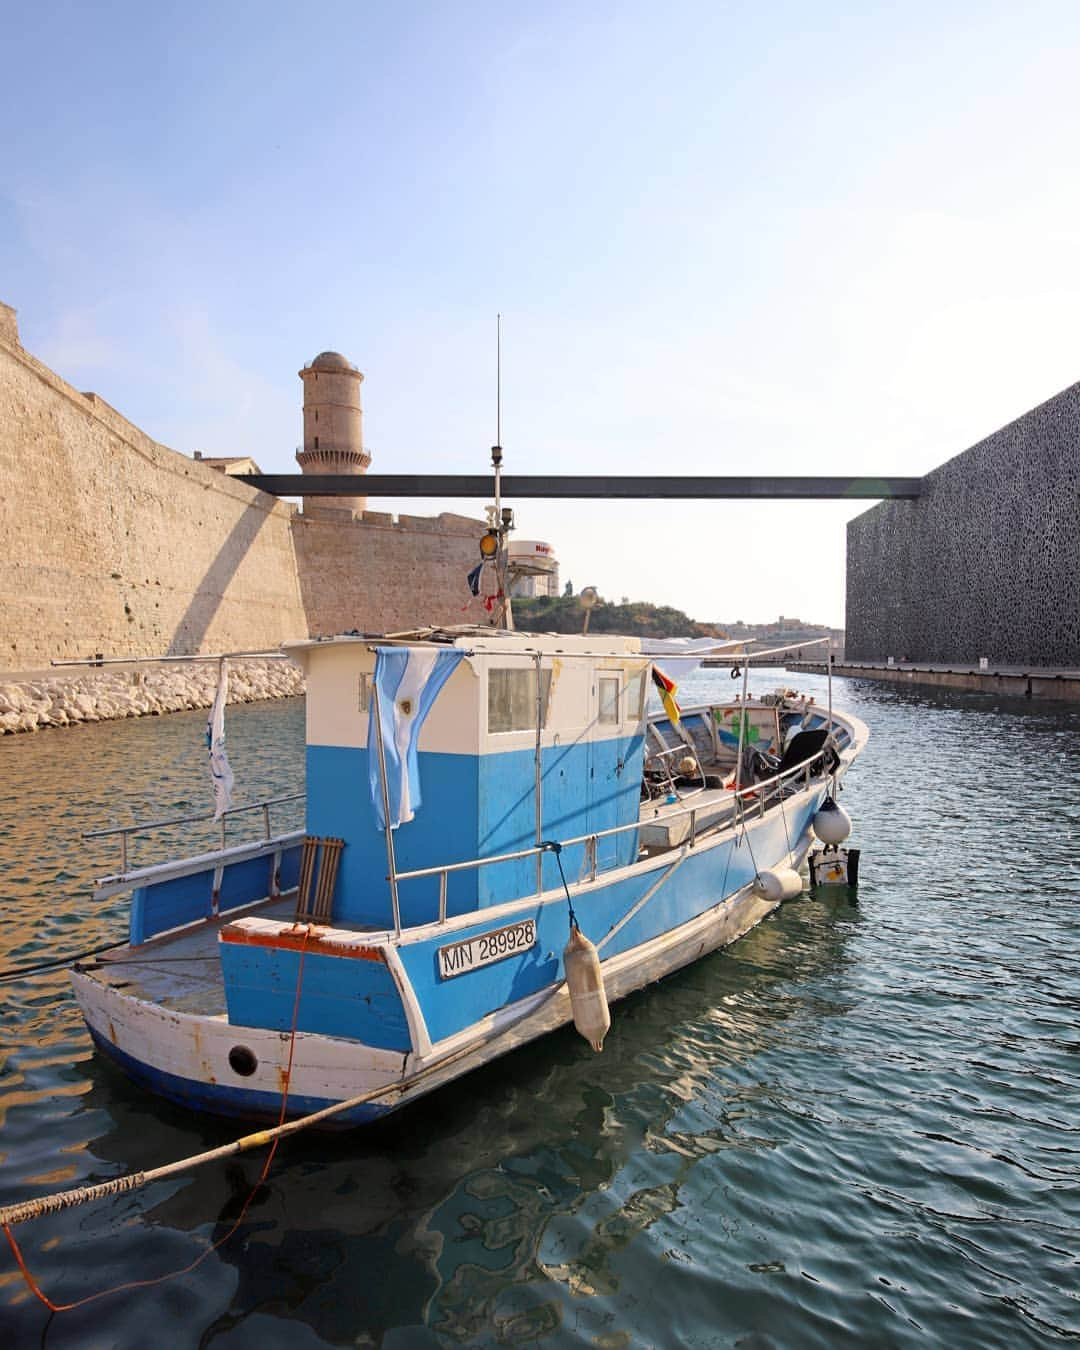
[{"x": 637, "y": 618}]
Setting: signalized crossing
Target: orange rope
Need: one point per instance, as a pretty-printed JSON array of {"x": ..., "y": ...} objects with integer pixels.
[{"x": 36, "y": 1288}]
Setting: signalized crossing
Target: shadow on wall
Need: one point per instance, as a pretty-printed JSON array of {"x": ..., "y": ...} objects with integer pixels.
[{"x": 192, "y": 629}]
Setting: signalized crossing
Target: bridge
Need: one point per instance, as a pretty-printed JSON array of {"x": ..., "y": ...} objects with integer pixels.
[{"x": 582, "y": 487}]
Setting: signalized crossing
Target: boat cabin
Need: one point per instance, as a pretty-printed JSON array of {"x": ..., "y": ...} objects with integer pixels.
[{"x": 517, "y": 746}]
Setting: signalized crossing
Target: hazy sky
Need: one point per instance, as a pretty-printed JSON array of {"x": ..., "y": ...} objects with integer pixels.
[{"x": 725, "y": 238}]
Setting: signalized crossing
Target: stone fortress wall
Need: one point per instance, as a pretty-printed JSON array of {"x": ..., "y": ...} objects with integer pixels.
[
  {"x": 112, "y": 543},
  {"x": 986, "y": 562},
  {"x": 381, "y": 575}
]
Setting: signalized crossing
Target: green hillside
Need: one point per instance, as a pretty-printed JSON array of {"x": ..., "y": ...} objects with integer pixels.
[{"x": 563, "y": 614}]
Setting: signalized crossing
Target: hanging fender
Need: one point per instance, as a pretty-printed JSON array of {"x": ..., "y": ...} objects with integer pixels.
[{"x": 585, "y": 981}]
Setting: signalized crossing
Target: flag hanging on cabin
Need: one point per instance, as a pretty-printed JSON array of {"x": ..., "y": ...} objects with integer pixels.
[
  {"x": 408, "y": 680},
  {"x": 666, "y": 688},
  {"x": 220, "y": 772}
]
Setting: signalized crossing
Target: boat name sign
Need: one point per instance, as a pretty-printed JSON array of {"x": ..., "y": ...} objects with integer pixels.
[{"x": 459, "y": 957}]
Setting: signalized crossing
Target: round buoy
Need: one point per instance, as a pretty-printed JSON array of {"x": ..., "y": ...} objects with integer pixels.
[
  {"x": 585, "y": 981},
  {"x": 831, "y": 824},
  {"x": 778, "y": 883}
]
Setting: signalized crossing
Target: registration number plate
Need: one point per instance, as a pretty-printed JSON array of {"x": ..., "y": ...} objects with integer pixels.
[{"x": 460, "y": 957}]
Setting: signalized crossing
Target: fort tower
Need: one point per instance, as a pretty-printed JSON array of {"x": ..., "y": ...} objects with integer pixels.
[{"x": 333, "y": 427}]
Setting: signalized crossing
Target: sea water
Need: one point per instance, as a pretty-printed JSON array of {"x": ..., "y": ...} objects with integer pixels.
[{"x": 858, "y": 1126}]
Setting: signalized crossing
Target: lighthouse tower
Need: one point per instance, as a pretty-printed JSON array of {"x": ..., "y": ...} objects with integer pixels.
[{"x": 333, "y": 427}]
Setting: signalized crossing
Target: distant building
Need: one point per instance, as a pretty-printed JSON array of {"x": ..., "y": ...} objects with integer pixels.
[
  {"x": 784, "y": 632},
  {"x": 984, "y": 563},
  {"x": 523, "y": 588},
  {"x": 534, "y": 568},
  {"x": 230, "y": 464}
]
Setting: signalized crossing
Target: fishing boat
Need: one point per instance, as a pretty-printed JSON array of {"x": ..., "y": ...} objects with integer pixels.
[{"x": 500, "y": 838}]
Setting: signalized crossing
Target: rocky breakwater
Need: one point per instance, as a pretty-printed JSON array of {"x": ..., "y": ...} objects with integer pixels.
[{"x": 65, "y": 699}]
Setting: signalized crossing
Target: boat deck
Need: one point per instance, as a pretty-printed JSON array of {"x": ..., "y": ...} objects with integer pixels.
[
  {"x": 180, "y": 971},
  {"x": 664, "y": 824}
]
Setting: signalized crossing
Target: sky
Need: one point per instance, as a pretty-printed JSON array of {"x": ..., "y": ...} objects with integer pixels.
[{"x": 724, "y": 239}]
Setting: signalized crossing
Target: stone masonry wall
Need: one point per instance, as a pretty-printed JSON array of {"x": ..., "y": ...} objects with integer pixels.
[
  {"x": 376, "y": 575},
  {"x": 112, "y": 543},
  {"x": 986, "y": 562}
]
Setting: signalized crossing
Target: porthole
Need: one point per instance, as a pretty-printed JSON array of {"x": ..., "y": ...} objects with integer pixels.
[{"x": 243, "y": 1061}]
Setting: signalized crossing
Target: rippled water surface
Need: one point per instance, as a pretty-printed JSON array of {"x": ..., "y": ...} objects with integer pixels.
[{"x": 858, "y": 1126}]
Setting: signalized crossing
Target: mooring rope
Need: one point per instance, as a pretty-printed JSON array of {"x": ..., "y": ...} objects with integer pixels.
[
  {"x": 746, "y": 841},
  {"x": 783, "y": 817},
  {"x": 61, "y": 1200},
  {"x": 60, "y": 961},
  {"x": 556, "y": 848},
  {"x": 66, "y": 1199}
]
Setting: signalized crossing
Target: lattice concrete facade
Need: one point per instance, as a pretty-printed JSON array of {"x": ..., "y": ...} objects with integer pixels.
[
  {"x": 986, "y": 562},
  {"x": 113, "y": 543}
]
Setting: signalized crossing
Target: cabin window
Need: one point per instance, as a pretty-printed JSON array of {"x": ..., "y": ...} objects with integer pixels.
[
  {"x": 609, "y": 699},
  {"x": 363, "y": 701},
  {"x": 512, "y": 699},
  {"x": 635, "y": 697}
]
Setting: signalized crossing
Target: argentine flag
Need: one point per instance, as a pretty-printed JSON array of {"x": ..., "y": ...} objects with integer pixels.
[
  {"x": 220, "y": 772},
  {"x": 408, "y": 680}
]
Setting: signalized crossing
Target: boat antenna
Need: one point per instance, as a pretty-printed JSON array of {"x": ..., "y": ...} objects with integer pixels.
[
  {"x": 496, "y": 449},
  {"x": 503, "y": 521}
]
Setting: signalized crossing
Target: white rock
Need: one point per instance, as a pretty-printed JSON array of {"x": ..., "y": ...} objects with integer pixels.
[{"x": 16, "y": 697}]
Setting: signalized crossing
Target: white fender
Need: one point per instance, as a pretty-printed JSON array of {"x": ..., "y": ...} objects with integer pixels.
[
  {"x": 778, "y": 883},
  {"x": 831, "y": 824},
  {"x": 585, "y": 981}
]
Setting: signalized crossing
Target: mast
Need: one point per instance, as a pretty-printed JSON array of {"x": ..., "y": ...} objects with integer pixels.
[{"x": 503, "y": 521}]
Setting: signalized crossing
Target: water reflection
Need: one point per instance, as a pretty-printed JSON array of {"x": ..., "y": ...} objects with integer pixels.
[
  {"x": 852, "y": 1128},
  {"x": 532, "y": 1174}
]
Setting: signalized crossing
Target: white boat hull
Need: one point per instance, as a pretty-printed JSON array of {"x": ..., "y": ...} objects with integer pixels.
[{"x": 185, "y": 1057}]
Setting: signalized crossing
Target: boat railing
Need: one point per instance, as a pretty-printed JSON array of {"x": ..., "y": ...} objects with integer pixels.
[
  {"x": 126, "y": 832},
  {"x": 761, "y": 791}
]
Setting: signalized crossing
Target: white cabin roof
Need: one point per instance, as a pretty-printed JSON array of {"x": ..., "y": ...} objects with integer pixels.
[{"x": 483, "y": 640}]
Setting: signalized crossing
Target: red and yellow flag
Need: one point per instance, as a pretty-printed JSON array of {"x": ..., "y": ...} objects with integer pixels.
[{"x": 666, "y": 688}]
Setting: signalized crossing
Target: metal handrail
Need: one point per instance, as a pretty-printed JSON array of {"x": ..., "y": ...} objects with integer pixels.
[
  {"x": 190, "y": 820},
  {"x": 645, "y": 657},
  {"x": 96, "y": 661},
  {"x": 126, "y": 831},
  {"x": 591, "y": 838},
  {"x": 682, "y": 749},
  {"x": 748, "y": 658}
]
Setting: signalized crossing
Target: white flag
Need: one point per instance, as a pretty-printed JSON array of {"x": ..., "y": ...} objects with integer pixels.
[{"x": 220, "y": 772}]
